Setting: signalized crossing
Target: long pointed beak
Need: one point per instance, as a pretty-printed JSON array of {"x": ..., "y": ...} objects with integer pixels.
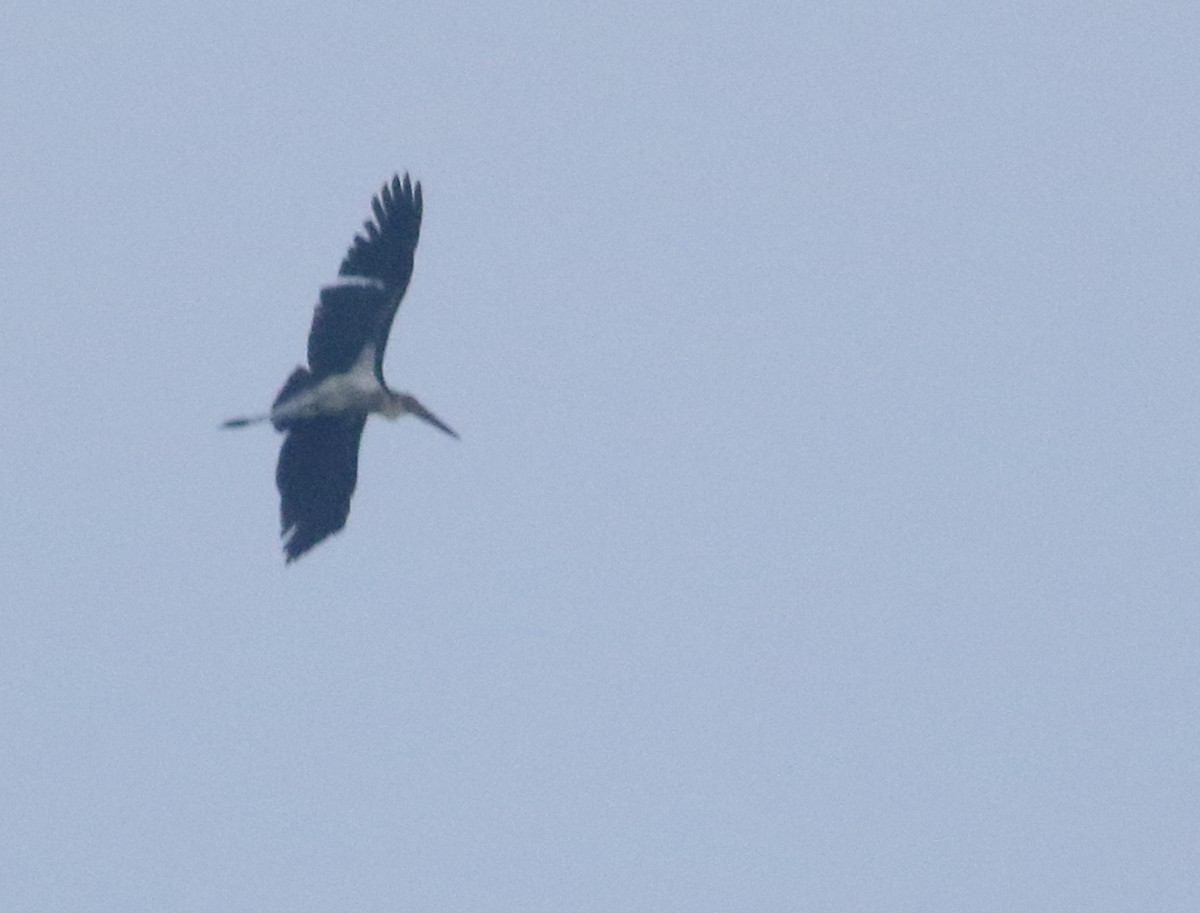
[{"x": 422, "y": 413}]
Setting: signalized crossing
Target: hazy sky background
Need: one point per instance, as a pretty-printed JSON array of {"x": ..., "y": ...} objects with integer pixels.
[{"x": 825, "y": 530}]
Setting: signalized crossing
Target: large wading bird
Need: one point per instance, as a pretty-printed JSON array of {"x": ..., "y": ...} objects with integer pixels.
[{"x": 322, "y": 408}]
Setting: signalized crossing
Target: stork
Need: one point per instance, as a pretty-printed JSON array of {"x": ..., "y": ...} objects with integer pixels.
[{"x": 322, "y": 408}]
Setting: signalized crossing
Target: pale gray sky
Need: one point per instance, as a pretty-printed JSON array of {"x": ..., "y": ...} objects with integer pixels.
[{"x": 825, "y": 529}]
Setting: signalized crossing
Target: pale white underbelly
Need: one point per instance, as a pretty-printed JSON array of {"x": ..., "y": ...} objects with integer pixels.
[{"x": 340, "y": 393}]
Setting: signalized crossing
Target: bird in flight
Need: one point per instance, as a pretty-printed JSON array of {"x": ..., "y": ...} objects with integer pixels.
[{"x": 322, "y": 409}]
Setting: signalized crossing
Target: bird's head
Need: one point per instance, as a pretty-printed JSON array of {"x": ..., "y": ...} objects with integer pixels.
[{"x": 402, "y": 403}]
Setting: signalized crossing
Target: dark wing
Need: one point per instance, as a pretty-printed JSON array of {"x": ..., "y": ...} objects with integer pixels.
[
  {"x": 317, "y": 471},
  {"x": 347, "y": 318},
  {"x": 385, "y": 252}
]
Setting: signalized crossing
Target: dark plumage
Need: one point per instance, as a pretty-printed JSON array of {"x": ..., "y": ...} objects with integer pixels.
[{"x": 316, "y": 475}]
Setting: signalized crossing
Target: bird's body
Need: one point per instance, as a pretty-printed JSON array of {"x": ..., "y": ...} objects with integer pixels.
[
  {"x": 323, "y": 408},
  {"x": 356, "y": 390}
]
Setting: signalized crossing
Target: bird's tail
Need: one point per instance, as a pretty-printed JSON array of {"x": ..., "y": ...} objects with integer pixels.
[{"x": 244, "y": 421}]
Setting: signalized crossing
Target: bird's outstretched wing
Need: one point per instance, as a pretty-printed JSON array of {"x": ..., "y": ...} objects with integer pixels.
[
  {"x": 386, "y": 251},
  {"x": 316, "y": 475},
  {"x": 374, "y": 275},
  {"x": 346, "y": 320}
]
